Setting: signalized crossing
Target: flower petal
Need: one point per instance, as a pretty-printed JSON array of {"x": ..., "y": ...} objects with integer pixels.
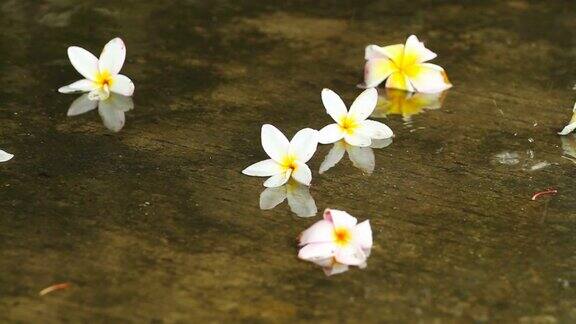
[
  {"x": 302, "y": 173},
  {"x": 394, "y": 52},
  {"x": 334, "y": 105},
  {"x": 83, "y": 85},
  {"x": 364, "y": 104},
  {"x": 84, "y": 62},
  {"x": 300, "y": 201},
  {"x": 362, "y": 158},
  {"x": 321, "y": 232},
  {"x": 278, "y": 179},
  {"x": 398, "y": 80},
  {"x": 275, "y": 144},
  {"x": 363, "y": 234},
  {"x": 350, "y": 255},
  {"x": 272, "y": 197},
  {"x": 81, "y": 105},
  {"x": 415, "y": 52},
  {"x": 340, "y": 218},
  {"x": 333, "y": 157},
  {"x": 373, "y": 52},
  {"x": 5, "y": 156},
  {"x": 112, "y": 56},
  {"x": 428, "y": 78},
  {"x": 317, "y": 251},
  {"x": 264, "y": 168},
  {"x": 330, "y": 134},
  {"x": 304, "y": 144},
  {"x": 571, "y": 126},
  {"x": 113, "y": 119},
  {"x": 121, "y": 84},
  {"x": 375, "y": 129},
  {"x": 377, "y": 70},
  {"x": 567, "y": 129},
  {"x": 357, "y": 139}
]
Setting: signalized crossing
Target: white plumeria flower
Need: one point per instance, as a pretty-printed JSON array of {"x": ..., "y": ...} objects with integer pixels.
[
  {"x": 337, "y": 237},
  {"x": 5, "y": 156},
  {"x": 299, "y": 199},
  {"x": 287, "y": 159},
  {"x": 101, "y": 75},
  {"x": 111, "y": 109},
  {"x": 571, "y": 125},
  {"x": 352, "y": 126},
  {"x": 361, "y": 157},
  {"x": 403, "y": 67}
]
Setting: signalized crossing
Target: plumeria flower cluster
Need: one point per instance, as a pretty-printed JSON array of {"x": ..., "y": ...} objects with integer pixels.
[
  {"x": 336, "y": 242},
  {"x": 404, "y": 67},
  {"x": 288, "y": 158}
]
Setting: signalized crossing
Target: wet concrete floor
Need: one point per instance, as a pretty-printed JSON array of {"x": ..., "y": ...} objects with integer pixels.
[{"x": 155, "y": 223}]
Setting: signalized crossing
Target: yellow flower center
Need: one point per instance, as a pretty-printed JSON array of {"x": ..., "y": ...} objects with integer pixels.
[
  {"x": 407, "y": 60},
  {"x": 342, "y": 236},
  {"x": 289, "y": 162},
  {"x": 104, "y": 78},
  {"x": 348, "y": 124}
]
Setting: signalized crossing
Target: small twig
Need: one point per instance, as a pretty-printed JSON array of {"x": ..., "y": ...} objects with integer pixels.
[
  {"x": 569, "y": 159},
  {"x": 549, "y": 191},
  {"x": 54, "y": 288}
]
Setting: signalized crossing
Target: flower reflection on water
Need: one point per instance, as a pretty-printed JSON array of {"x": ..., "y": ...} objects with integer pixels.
[
  {"x": 407, "y": 104},
  {"x": 298, "y": 195},
  {"x": 569, "y": 147},
  {"x": 361, "y": 157},
  {"x": 111, "y": 110}
]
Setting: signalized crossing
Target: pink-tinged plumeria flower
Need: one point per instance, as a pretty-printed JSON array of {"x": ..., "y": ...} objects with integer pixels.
[
  {"x": 352, "y": 126},
  {"x": 101, "y": 74},
  {"x": 287, "y": 158},
  {"x": 5, "y": 156},
  {"x": 571, "y": 125},
  {"x": 404, "y": 67},
  {"x": 337, "y": 237}
]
